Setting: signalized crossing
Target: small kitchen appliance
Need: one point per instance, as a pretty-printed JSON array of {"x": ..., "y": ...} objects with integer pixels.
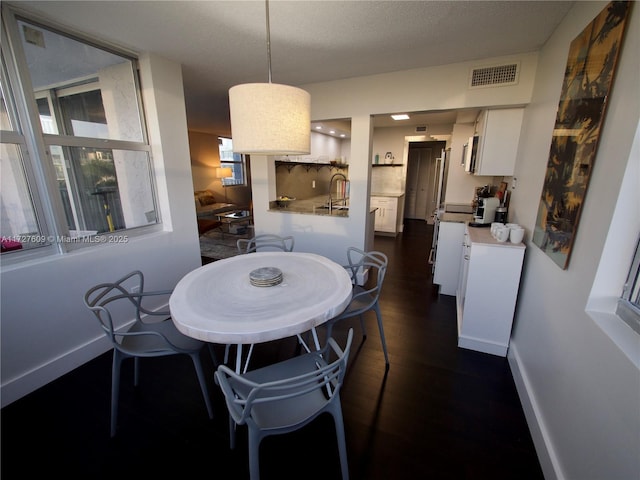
[
  {"x": 486, "y": 210},
  {"x": 501, "y": 214}
]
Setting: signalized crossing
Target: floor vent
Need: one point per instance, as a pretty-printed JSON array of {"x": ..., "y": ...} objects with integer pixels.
[{"x": 496, "y": 75}]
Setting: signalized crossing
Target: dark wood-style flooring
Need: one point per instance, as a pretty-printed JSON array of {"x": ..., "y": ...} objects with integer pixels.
[{"x": 439, "y": 412}]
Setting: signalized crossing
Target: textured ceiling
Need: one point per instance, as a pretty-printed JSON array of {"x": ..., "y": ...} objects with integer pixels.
[{"x": 223, "y": 43}]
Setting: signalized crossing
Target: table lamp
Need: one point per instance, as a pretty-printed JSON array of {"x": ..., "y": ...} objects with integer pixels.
[{"x": 224, "y": 172}]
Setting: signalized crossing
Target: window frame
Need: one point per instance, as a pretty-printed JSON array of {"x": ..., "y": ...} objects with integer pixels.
[
  {"x": 226, "y": 162},
  {"x": 24, "y": 136},
  {"x": 36, "y": 160},
  {"x": 628, "y": 306}
]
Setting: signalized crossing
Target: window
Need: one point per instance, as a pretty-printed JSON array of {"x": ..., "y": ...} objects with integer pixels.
[
  {"x": 235, "y": 161},
  {"x": 74, "y": 154},
  {"x": 629, "y": 304},
  {"x": 617, "y": 273},
  {"x": 18, "y": 216}
]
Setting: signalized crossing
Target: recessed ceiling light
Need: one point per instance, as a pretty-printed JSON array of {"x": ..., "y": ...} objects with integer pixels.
[
  {"x": 318, "y": 127},
  {"x": 332, "y": 132},
  {"x": 400, "y": 116}
]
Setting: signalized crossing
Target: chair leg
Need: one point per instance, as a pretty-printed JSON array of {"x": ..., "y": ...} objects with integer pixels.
[
  {"x": 115, "y": 390},
  {"x": 342, "y": 444},
  {"x": 203, "y": 383},
  {"x": 232, "y": 433},
  {"x": 254, "y": 454},
  {"x": 136, "y": 371},
  {"x": 376, "y": 307},
  {"x": 329, "y": 330},
  {"x": 364, "y": 329},
  {"x": 214, "y": 357}
]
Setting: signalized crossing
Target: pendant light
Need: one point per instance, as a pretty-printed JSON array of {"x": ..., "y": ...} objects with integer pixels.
[{"x": 270, "y": 118}]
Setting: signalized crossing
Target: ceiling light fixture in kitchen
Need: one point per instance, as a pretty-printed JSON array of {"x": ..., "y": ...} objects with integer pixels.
[
  {"x": 400, "y": 116},
  {"x": 270, "y": 118}
]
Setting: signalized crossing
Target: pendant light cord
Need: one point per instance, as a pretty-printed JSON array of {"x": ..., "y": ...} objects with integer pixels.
[{"x": 268, "y": 39}]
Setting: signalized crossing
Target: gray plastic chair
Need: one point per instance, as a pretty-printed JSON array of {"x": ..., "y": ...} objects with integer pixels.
[
  {"x": 265, "y": 242},
  {"x": 286, "y": 396},
  {"x": 365, "y": 298},
  {"x": 141, "y": 339}
]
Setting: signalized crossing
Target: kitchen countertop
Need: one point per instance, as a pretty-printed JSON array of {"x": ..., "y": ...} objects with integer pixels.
[
  {"x": 458, "y": 207},
  {"x": 483, "y": 236},
  {"x": 456, "y": 217},
  {"x": 380, "y": 194},
  {"x": 309, "y": 206},
  {"x": 313, "y": 206}
]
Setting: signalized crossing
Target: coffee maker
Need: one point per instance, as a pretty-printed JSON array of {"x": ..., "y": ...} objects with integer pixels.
[{"x": 486, "y": 210}]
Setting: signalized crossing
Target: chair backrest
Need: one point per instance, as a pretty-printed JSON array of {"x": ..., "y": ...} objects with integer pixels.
[
  {"x": 243, "y": 395},
  {"x": 265, "y": 242},
  {"x": 370, "y": 263},
  {"x": 122, "y": 298}
]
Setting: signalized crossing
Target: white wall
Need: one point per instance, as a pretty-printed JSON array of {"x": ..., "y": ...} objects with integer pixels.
[
  {"x": 580, "y": 391},
  {"x": 324, "y": 148},
  {"x": 46, "y": 329}
]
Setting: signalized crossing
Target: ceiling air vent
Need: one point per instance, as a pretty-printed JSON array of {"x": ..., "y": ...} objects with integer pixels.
[
  {"x": 495, "y": 75},
  {"x": 421, "y": 128}
]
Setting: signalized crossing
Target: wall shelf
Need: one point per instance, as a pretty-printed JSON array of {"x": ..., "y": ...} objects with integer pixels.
[{"x": 309, "y": 165}]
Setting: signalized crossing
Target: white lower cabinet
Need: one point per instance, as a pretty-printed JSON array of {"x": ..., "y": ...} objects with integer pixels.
[
  {"x": 489, "y": 279},
  {"x": 386, "y": 214}
]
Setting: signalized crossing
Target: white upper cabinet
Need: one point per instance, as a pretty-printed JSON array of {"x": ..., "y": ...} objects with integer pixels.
[{"x": 499, "y": 134}]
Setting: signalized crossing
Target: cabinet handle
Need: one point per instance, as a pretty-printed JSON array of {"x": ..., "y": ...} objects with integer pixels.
[
  {"x": 466, "y": 257},
  {"x": 430, "y": 261}
]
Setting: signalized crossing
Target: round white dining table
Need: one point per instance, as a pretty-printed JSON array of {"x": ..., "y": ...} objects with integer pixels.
[{"x": 217, "y": 302}]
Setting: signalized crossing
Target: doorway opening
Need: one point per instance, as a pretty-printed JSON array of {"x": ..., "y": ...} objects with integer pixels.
[{"x": 426, "y": 171}]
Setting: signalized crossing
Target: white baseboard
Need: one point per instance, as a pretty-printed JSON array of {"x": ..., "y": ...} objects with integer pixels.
[
  {"x": 481, "y": 345},
  {"x": 18, "y": 387},
  {"x": 541, "y": 440}
]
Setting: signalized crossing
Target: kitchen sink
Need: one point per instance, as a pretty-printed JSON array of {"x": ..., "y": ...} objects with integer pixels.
[{"x": 336, "y": 209}]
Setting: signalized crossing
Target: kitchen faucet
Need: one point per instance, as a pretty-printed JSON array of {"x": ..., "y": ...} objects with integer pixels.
[{"x": 331, "y": 183}]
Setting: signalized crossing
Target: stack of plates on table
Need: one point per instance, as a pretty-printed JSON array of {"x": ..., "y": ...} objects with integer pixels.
[{"x": 265, "y": 277}]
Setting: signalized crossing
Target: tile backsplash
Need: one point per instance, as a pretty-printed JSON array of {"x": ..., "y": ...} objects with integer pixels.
[{"x": 387, "y": 180}]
